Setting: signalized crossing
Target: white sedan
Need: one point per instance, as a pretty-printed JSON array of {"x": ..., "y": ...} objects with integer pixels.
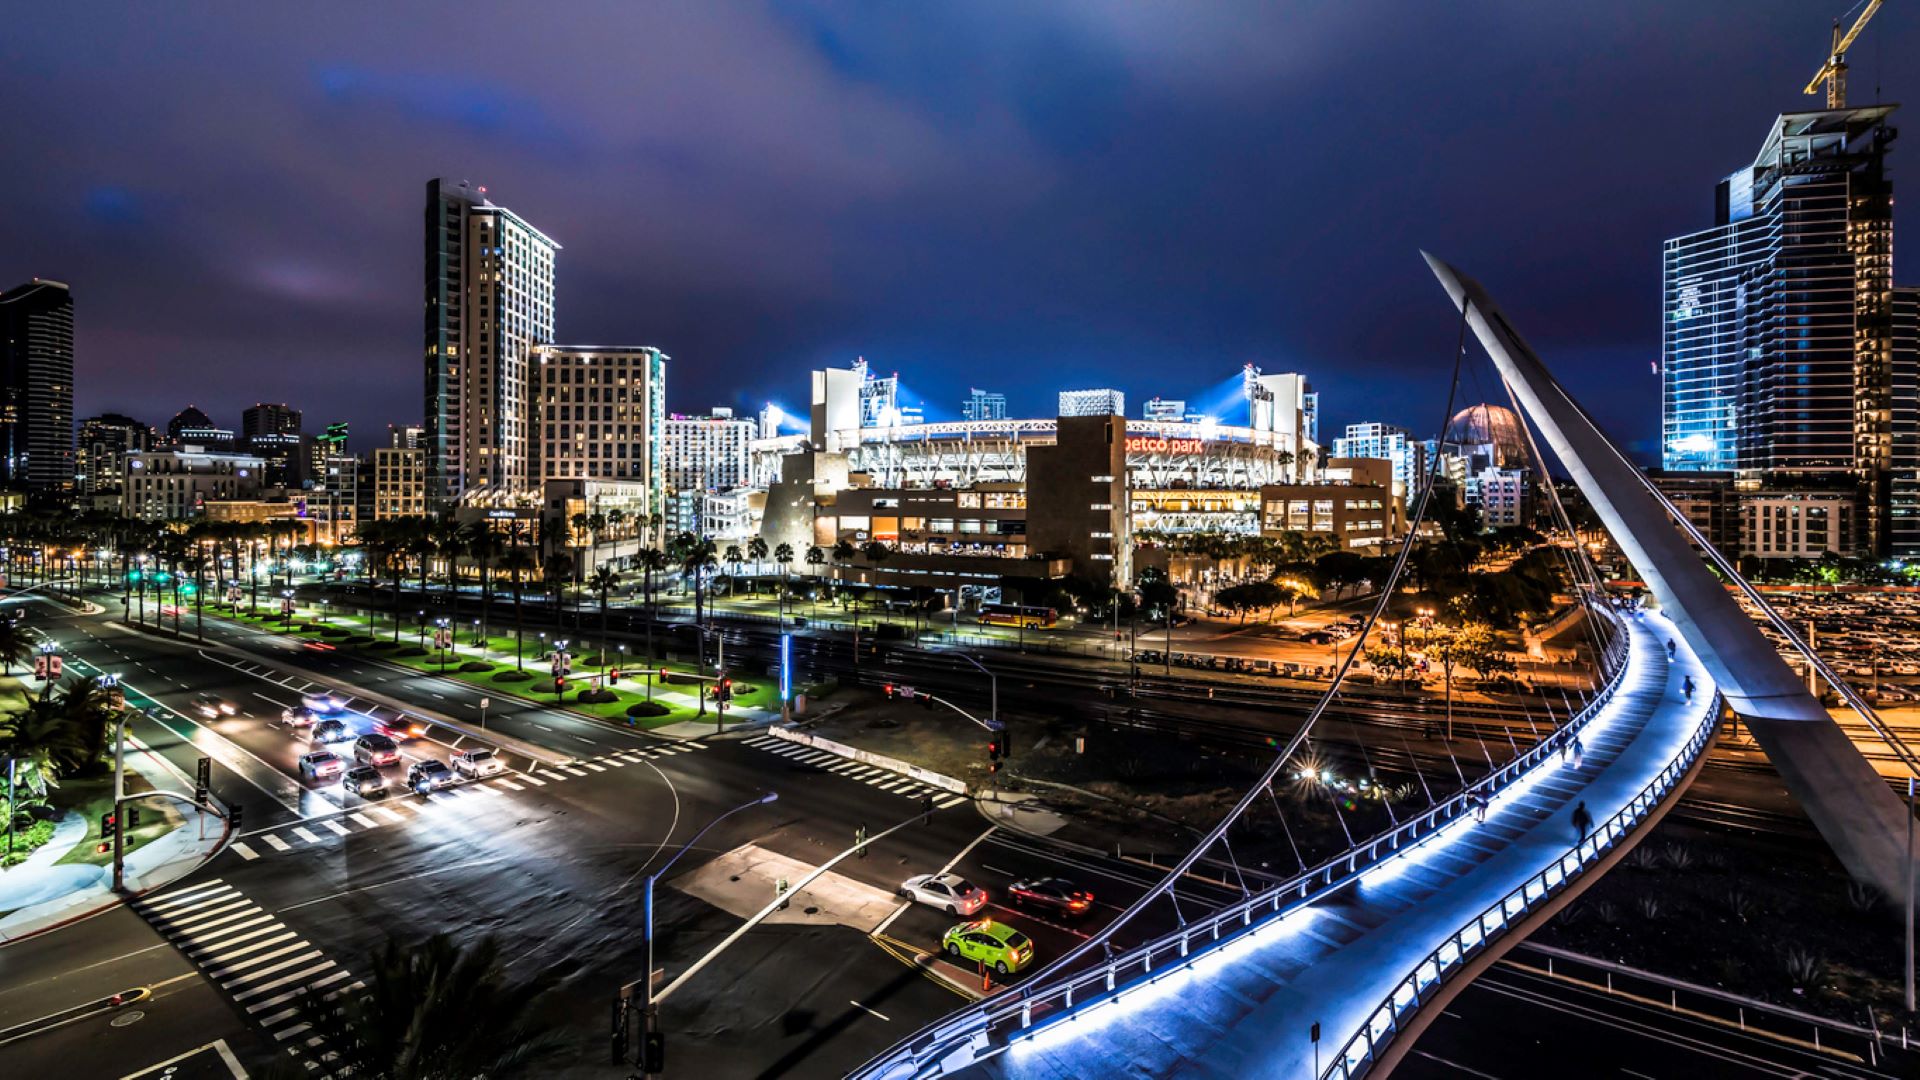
[
  {"x": 476, "y": 763},
  {"x": 322, "y": 703},
  {"x": 950, "y": 893}
]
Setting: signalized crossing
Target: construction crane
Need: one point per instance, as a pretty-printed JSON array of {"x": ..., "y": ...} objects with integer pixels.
[{"x": 1834, "y": 74}]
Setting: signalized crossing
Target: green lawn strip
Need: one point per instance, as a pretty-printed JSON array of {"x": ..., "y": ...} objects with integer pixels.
[
  {"x": 92, "y": 797},
  {"x": 26, "y": 841},
  {"x": 500, "y": 656}
]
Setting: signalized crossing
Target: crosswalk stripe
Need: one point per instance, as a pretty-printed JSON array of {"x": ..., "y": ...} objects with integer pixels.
[
  {"x": 571, "y": 771},
  {"x": 887, "y": 786},
  {"x": 336, "y": 826},
  {"x": 282, "y": 937},
  {"x": 951, "y": 800},
  {"x": 694, "y": 746},
  {"x": 511, "y": 784},
  {"x": 252, "y": 970},
  {"x": 289, "y": 995},
  {"x": 390, "y": 815},
  {"x": 483, "y": 789},
  {"x": 241, "y": 849},
  {"x": 276, "y": 843},
  {"x": 617, "y": 762},
  {"x": 364, "y": 820},
  {"x": 283, "y": 980},
  {"x": 555, "y": 777},
  {"x": 441, "y": 796},
  {"x": 595, "y": 768},
  {"x": 763, "y": 740},
  {"x": 197, "y": 892},
  {"x": 302, "y": 833},
  {"x": 227, "y": 933},
  {"x": 531, "y": 779},
  {"x": 187, "y": 916},
  {"x": 219, "y": 916}
]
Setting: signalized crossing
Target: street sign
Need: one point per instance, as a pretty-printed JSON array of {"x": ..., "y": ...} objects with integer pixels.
[
  {"x": 202, "y": 780},
  {"x": 485, "y": 702}
]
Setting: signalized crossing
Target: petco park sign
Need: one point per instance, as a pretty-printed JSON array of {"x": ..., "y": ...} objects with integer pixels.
[{"x": 1158, "y": 444}]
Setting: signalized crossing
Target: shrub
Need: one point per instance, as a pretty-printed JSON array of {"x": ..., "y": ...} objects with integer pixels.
[
  {"x": 474, "y": 667},
  {"x": 647, "y": 708},
  {"x": 513, "y": 676},
  {"x": 1649, "y": 905},
  {"x": 383, "y": 645},
  {"x": 1715, "y": 861},
  {"x": 360, "y": 639},
  {"x": 410, "y": 650},
  {"x": 336, "y": 631},
  {"x": 1678, "y": 856},
  {"x": 1642, "y": 858},
  {"x": 596, "y": 697},
  {"x": 1862, "y": 897},
  {"x": 1805, "y": 967},
  {"x": 1739, "y": 902},
  {"x": 1607, "y": 912}
]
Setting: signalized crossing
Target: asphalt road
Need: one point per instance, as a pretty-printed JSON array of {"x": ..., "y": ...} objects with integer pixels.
[{"x": 551, "y": 859}]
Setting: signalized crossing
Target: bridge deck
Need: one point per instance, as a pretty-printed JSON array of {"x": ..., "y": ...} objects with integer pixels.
[{"x": 1246, "y": 1010}]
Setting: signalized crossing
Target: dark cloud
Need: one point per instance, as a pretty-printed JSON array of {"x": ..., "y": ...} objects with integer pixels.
[{"x": 1010, "y": 195}]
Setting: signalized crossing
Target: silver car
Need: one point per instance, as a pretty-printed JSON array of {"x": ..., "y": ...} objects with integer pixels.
[{"x": 478, "y": 763}]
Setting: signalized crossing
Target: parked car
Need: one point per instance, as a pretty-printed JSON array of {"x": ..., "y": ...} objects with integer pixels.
[
  {"x": 213, "y": 706},
  {"x": 375, "y": 749},
  {"x": 298, "y": 716},
  {"x": 401, "y": 727},
  {"x": 950, "y": 893},
  {"x": 321, "y": 765},
  {"x": 429, "y": 775},
  {"x": 1053, "y": 894},
  {"x": 331, "y": 731},
  {"x": 477, "y": 763},
  {"x": 994, "y": 944},
  {"x": 365, "y": 781}
]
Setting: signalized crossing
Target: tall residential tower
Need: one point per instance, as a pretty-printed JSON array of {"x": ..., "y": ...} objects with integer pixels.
[
  {"x": 36, "y": 388},
  {"x": 489, "y": 303},
  {"x": 1778, "y": 322}
]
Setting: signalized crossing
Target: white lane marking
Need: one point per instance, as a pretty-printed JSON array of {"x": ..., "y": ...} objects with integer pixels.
[
  {"x": 511, "y": 784},
  {"x": 276, "y": 843},
  {"x": 864, "y": 1009},
  {"x": 336, "y": 826},
  {"x": 364, "y": 820},
  {"x": 303, "y": 834}
]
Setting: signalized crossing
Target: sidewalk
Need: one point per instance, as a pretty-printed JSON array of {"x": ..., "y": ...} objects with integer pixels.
[{"x": 39, "y": 895}]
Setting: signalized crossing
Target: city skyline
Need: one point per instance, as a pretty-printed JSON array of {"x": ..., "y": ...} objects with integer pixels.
[{"x": 1205, "y": 270}]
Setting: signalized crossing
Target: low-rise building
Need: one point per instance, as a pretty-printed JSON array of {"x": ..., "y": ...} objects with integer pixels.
[
  {"x": 1357, "y": 505},
  {"x": 1797, "y": 524},
  {"x": 175, "y": 485},
  {"x": 399, "y": 482}
]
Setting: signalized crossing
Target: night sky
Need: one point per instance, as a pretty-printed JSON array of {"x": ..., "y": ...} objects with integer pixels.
[{"x": 1023, "y": 196}]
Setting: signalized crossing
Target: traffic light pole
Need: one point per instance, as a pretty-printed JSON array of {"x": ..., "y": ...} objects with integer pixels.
[{"x": 119, "y": 800}]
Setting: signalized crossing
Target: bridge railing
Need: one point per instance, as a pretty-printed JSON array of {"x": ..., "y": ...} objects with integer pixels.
[
  {"x": 987, "y": 1026},
  {"x": 1363, "y": 1050}
]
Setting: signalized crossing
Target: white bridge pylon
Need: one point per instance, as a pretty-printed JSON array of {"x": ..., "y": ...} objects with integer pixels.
[{"x": 1857, "y": 814}]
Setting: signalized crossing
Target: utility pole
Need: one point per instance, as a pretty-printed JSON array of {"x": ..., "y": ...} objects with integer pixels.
[{"x": 1909, "y": 950}]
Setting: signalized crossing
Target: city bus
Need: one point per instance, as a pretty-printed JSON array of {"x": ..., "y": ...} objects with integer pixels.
[{"x": 1033, "y": 618}]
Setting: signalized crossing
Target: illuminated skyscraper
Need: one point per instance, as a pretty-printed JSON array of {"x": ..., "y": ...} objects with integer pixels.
[
  {"x": 36, "y": 388},
  {"x": 489, "y": 303},
  {"x": 1777, "y": 342}
]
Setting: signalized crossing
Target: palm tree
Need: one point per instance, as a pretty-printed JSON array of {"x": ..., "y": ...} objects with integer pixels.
[
  {"x": 433, "y": 1011},
  {"x": 15, "y": 644},
  {"x": 734, "y": 559},
  {"x": 757, "y": 551},
  {"x": 517, "y": 561},
  {"x": 816, "y": 558},
  {"x": 603, "y": 581},
  {"x": 483, "y": 545},
  {"x": 652, "y": 560},
  {"x": 783, "y": 554},
  {"x": 696, "y": 558}
]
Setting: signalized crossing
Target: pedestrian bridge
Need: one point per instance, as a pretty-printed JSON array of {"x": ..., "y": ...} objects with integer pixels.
[{"x": 1357, "y": 946}]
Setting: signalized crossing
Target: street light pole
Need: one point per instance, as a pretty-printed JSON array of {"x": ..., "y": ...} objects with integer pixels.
[
  {"x": 994, "y": 683},
  {"x": 648, "y": 1015}
]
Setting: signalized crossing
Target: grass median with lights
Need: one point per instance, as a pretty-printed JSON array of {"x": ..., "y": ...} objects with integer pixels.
[{"x": 498, "y": 670}]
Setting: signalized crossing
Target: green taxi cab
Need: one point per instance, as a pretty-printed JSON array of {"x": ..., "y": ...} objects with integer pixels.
[{"x": 995, "y": 944}]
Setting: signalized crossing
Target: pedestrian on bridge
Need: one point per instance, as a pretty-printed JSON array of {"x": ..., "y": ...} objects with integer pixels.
[
  {"x": 1670, "y": 648},
  {"x": 1579, "y": 752},
  {"x": 1582, "y": 821},
  {"x": 1479, "y": 804},
  {"x": 1688, "y": 687}
]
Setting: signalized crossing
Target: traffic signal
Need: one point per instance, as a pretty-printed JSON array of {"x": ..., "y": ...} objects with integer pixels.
[
  {"x": 653, "y": 1052},
  {"x": 133, "y": 817},
  {"x": 994, "y": 749},
  {"x": 560, "y": 685},
  {"x": 888, "y": 690},
  {"x": 106, "y": 824},
  {"x": 725, "y": 690},
  {"x": 55, "y": 665},
  {"x": 235, "y": 816},
  {"x": 926, "y": 702}
]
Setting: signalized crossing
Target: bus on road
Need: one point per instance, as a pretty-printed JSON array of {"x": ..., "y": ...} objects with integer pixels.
[{"x": 1033, "y": 618}]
